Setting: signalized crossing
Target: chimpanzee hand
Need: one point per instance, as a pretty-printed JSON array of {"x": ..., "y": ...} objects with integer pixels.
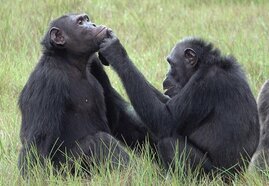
[{"x": 111, "y": 50}]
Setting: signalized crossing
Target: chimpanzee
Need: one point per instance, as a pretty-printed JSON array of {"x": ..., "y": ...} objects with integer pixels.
[
  {"x": 211, "y": 113},
  {"x": 68, "y": 104},
  {"x": 260, "y": 159}
]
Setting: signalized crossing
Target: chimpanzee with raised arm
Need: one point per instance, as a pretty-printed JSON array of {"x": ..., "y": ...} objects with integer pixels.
[
  {"x": 68, "y": 104},
  {"x": 211, "y": 113}
]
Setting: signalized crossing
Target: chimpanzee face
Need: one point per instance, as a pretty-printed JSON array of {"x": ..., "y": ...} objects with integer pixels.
[
  {"x": 182, "y": 61},
  {"x": 77, "y": 34}
]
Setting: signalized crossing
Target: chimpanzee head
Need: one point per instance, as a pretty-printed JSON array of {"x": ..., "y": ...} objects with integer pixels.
[
  {"x": 184, "y": 60},
  {"x": 75, "y": 34}
]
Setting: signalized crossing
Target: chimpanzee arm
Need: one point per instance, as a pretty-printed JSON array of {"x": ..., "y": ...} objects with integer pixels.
[
  {"x": 159, "y": 117},
  {"x": 193, "y": 103},
  {"x": 42, "y": 103},
  {"x": 99, "y": 73},
  {"x": 163, "y": 98},
  {"x": 123, "y": 120}
]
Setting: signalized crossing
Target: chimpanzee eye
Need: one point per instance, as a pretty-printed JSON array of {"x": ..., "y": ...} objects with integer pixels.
[{"x": 87, "y": 18}]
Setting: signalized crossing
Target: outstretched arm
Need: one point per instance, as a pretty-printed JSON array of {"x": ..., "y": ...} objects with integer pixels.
[
  {"x": 123, "y": 120},
  {"x": 162, "y": 118},
  {"x": 154, "y": 112}
]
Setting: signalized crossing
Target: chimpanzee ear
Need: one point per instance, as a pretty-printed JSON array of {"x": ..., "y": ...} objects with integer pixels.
[
  {"x": 191, "y": 56},
  {"x": 57, "y": 36}
]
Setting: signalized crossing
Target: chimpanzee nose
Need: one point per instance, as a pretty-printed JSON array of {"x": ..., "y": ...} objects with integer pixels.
[{"x": 93, "y": 24}]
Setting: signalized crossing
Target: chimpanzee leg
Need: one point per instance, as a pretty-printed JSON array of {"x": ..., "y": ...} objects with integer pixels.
[
  {"x": 194, "y": 158},
  {"x": 100, "y": 148}
]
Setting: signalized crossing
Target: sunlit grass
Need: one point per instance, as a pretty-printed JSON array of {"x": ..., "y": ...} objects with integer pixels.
[{"x": 148, "y": 29}]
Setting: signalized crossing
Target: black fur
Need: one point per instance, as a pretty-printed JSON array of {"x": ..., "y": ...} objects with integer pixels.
[
  {"x": 211, "y": 112},
  {"x": 260, "y": 159},
  {"x": 68, "y": 100}
]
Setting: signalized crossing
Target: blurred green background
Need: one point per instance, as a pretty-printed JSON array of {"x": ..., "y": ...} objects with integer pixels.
[{"x": 148, "y": 29}]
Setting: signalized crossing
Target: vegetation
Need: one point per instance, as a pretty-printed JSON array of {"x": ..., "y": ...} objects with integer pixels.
[{"x": 148, "y": 29}]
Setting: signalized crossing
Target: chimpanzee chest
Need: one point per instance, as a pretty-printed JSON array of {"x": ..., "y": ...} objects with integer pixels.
[
  {"x": 86, "y": 111},
  {"x": 86, "y": 95}
]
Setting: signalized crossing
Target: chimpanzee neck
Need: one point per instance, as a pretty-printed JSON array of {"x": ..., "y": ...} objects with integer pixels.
[{"x": 78, "y": 61}]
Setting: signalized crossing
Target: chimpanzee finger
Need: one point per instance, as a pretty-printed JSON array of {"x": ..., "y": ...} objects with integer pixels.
[{"x": 111, "y": 34}]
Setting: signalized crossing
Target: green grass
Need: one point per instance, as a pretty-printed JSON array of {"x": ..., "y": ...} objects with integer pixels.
[{"x": 148, "y": 29}]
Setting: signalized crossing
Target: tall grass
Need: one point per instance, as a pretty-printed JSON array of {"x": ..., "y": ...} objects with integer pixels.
[{"x": 148, "y": 29}]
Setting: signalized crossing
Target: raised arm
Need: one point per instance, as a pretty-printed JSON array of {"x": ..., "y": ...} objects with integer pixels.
[
  {"x": 152, "y": 110},
  {"x": 161, "y": 117},
  {"x": 123, "y": 120}
]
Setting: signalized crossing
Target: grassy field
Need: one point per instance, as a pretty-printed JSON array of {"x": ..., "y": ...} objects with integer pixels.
[{"x": 148, "y": 29}]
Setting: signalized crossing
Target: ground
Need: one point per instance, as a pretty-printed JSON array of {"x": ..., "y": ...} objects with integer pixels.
[{"x": 148, "y": 29}]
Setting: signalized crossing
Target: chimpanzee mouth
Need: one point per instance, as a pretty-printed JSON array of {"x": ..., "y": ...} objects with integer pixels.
[
  {"x": 168, "y": 90},
  {"x": 103, "y": 29},
  {"x": 167, "y": 87}
]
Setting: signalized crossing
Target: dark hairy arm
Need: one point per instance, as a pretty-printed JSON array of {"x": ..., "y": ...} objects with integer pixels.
[
  {"x": 161, "y": 117},
  {"x": 143, "y": 97},
  {"x": 123, "y": 120}
]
